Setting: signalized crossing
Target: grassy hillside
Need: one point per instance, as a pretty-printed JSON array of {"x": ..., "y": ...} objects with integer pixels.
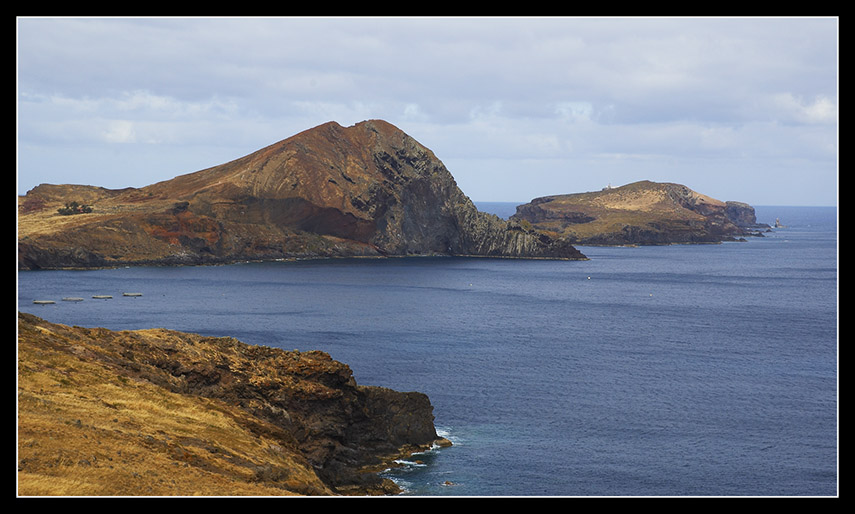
[
  {"x": 161, "y": 413},
  {"x": 84, "y": 429}
]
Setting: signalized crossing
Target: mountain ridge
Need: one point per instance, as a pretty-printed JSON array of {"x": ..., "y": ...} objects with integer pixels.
[{"x": 368, "y": 190}]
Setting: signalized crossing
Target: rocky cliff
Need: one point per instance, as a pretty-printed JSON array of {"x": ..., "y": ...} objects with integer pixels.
[
  {"x": 365, "y": 190},
  {"x": 642, "y": 213},
  {"x": 159, "y": 412}
]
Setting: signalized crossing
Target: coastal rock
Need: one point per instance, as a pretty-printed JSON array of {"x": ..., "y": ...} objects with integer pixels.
[
  {"x": 331, "y": 191},
  {"x": 743, "y": 215},
  {"x": 640, "y": 213},
  {"x": 277, "y": 422}
]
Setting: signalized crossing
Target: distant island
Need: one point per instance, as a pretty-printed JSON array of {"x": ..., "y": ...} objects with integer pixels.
[
  {"x": 165, "y": 413},
  {"x": 640, "y": 213},
  {"x": 368, "y": 190}
]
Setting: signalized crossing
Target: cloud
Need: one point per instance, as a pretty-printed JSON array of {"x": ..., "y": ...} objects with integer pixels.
[
  {"x": 574, "y": 111},
  {"x": 120, "y": 131},
  {"x": 534, "y": 92},
  {"x": 790, "y": 108}
]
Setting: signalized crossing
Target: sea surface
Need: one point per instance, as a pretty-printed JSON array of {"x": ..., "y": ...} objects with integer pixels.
[{"x": 685, "y": 370}]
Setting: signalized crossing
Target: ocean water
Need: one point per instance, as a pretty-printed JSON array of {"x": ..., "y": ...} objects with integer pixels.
[{"x": 686, "y": 370}]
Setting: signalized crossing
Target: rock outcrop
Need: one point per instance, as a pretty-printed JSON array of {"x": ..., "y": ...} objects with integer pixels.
[
  {"x": 641, "y": 213},
  {"x": 331, "y": 191},
  {"x": 743, "y": 216},
  {"x": 169, "y": 413}
]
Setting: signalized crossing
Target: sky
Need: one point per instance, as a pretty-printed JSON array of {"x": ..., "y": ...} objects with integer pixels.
[{"x": 742, "y": 109}]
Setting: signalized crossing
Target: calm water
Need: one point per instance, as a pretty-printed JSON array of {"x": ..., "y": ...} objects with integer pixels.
[{"x": 678, "y": 370}]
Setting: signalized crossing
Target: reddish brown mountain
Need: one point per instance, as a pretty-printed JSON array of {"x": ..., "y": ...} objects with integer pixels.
[{"x": 331, "y": 191}]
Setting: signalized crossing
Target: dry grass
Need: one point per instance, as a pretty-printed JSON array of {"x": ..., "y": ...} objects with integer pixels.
[
  {"x": 84, "y": 430},
  {"x": 642, "y": 204},
  {"x": 37, "y": 213}
]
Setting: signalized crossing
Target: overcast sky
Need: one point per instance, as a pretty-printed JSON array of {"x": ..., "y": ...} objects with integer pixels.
[{"x": 736, "y": 108}]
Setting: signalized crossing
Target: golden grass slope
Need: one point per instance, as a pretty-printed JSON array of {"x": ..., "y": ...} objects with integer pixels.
[
  {"x": 642, "y": 212},
  {"x": 86, "y": 430}
]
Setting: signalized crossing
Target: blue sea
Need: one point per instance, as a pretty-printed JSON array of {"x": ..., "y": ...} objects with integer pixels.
[{"x": 685, "y": 370}]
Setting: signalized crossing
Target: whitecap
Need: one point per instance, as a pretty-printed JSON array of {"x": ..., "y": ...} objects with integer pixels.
[
  {"x": 410, "y": 463},
  {"x": 403, "y": 485}
]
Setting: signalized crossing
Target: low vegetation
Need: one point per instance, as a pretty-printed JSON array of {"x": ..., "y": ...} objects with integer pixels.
[{"x": 74, "y": 208}]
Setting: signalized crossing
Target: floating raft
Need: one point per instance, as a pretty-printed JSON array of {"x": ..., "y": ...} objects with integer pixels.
[
  {"x": 102, "y": 296},
  {"x": 72, "y": 299},
  {"x": 131, "y": 294},
  {"x": 43, "y": 302}
]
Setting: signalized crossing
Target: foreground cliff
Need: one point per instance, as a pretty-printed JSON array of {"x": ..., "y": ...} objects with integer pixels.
[
  {"x": 644, "y": 213},
  {"x": 159, "y": 412},
  {"x": 331, "y": 191}
]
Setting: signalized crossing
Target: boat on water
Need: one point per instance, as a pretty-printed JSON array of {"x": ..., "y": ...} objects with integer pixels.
[
  {"x": 131, "y": 294},
  {"x": 101, "y": 296},
  {"x": 43, "y": 302},
  {"x": 72, "y": 299}
]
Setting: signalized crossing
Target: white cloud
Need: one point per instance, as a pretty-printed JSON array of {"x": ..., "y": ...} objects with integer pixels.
[
  {"x": 818, "y": 110},
  {"x": 119, "y": 131},
  {"x": 526, "y": 90},
  {"x": 574, "y": 111},
  {"x": 413, "y": 112},
  {"x": 132, "y": 116}
]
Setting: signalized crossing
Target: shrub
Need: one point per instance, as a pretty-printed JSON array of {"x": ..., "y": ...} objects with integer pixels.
[{"x": 74, "y": 208}]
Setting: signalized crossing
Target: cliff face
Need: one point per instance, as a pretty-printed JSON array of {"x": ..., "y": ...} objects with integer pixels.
[
  {"x": 365, "y": 190},
  {"x": 159, "y": 412},
  {"x": 640, "y": 213}
]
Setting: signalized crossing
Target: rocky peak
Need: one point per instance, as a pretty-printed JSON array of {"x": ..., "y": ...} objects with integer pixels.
[{"x": 368, "y": 189}]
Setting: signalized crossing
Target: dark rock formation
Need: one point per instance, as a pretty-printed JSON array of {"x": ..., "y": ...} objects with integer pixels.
[
  {"x": 331, "y": 191},
  {"x": 742, "y": 215},
  {"x": 645, "y": 213}
]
